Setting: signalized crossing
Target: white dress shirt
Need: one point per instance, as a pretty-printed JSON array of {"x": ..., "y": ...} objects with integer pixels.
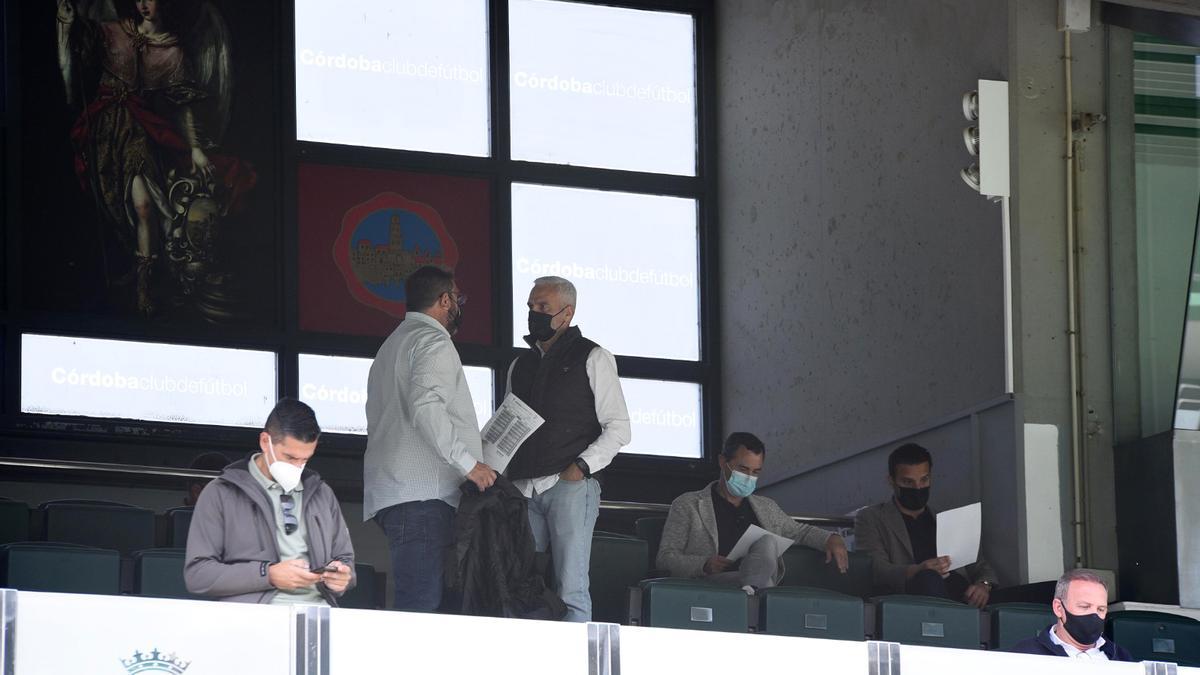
[
  {"x": 1074, "y": 652},
  {"x": 611, "y": 412},
  {"x": 422, "y": 434}
]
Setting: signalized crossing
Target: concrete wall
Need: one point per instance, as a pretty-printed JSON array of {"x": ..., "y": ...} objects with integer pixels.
[{"x": 860, "y": 278}]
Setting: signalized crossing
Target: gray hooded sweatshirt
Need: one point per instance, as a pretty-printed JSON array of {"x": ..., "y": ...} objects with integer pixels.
[{"x": 231, "y": 541}]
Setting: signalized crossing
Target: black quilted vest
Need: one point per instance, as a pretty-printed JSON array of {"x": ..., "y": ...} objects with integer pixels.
[{"x": 556, "y": 386}]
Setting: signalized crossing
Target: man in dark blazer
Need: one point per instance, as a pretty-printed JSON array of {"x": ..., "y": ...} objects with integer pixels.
[
  {"x": 1080, "y": 605},
  {"x": 901, "y": 537}
]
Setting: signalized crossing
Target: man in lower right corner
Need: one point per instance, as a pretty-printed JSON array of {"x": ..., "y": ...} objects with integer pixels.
[{"x": 1080, "y": 605}]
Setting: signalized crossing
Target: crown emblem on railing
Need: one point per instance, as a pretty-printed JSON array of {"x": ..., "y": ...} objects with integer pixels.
[{"x": 155, "y": 662}]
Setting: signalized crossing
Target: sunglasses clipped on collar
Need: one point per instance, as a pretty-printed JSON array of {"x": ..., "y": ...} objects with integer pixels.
[{"x": 290, "y": 522}]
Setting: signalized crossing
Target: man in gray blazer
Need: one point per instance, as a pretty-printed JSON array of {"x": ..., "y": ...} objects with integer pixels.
[
  {"x": 703, "y": 526},
  {"x": 901, "y": 537}
]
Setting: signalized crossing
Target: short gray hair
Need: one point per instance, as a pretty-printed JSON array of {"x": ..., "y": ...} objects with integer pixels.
[
  {"x": 564, "y": 288},
  {"x": 1064, "y": 582}
]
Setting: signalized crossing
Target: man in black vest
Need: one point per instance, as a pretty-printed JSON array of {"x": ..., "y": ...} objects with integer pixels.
[{"x": 572, "y": 383}]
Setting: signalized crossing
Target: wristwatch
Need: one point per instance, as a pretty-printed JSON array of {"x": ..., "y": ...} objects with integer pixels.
[
  {"x": 587, "y": 472},
  {"x": 990, "y": 585}
]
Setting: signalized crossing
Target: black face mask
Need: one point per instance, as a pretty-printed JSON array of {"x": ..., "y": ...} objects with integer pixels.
[
  {"x": 913, "y": 499},
  {"x": 1084, "y": 628},
  {"x": 539, "y": 325}
]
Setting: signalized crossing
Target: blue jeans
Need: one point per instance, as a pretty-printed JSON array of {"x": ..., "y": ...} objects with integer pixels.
[
  {"x": 562, "y": 519},
  {"x": 418, "y": 534}
]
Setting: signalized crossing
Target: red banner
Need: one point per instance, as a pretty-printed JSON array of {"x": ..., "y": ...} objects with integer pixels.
[{"x": 363, "y": 231}]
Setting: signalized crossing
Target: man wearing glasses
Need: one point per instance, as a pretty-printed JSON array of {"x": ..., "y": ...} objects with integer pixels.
[
  {"x": 422, "y": 438},
  {"x": 267, "y": 530}
]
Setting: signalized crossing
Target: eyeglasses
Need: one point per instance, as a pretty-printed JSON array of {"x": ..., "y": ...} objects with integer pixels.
[
  {"x": 460, "y": 299},
  {"x": 290, "y": 522}
]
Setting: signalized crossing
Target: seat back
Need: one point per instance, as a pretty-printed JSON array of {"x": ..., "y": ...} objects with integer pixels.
[
  {"x": 362, "y": 596},
  {"x": 1015, "y": 621},
  {"x": 1157, "y": 636},
  {"x": 919, "y": 620},
  {"x": 14, "y": 521},
  {"x": 179, "y": 520},
  {"x": 805, "y": 566},
  {"x": 60, "y": 568},
  {"x": 158, "y": 573},
  {"x": 810, "y": 612},
  {"x": 683, "y": 603},
  {"x": 617, "y": 564},
  {"x": 650, "y": 530},
  {"x": 100, "y": 524}
]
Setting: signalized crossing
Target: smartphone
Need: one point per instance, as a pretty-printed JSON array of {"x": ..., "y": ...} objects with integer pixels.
[{"x": 324, "y": 568}]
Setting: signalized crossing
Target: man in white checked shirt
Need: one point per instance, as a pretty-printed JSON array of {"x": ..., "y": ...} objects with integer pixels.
[{"x": 422, "y": 438}]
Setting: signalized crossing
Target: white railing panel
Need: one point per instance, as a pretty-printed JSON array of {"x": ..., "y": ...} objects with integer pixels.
[
  {"x": 68, "y": 633},
  {"x": 942, "y": 661},
  {"x": 369, "y": 641},
  {"x": 654, "y": 651}
]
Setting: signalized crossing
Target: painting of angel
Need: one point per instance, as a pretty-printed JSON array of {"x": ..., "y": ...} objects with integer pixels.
[{"x": 150, "y": 86}]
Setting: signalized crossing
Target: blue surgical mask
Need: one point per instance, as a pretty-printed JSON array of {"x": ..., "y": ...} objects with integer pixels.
[{"x": 740, "y": 484}]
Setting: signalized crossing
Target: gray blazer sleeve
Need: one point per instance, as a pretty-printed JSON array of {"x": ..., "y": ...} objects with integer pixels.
[
  {"x": 801, "y": 533},
  {"x": 869, "y": 537},
  {"x": 981, "y": 571},
  {"x": 205, "y": 572},
  {"x": 676, "y": 534}
]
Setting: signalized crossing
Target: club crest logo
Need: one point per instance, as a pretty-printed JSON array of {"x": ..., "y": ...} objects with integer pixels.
[
  {"x": 155, "y": 662},
  {"x": 385, "y": 239}
]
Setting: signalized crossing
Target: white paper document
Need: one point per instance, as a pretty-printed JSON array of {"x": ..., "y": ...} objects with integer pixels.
[
  {"x": 958, "y": 534},
  {"x": 512, "y": 423},
  {"x": 751, "y": 536}
]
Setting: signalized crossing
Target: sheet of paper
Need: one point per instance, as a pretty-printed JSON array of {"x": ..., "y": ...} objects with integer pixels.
[
  {"x": 751, "y": 537},
  {"x": 512, "y": 423},
  {"x": 958, "y": 534}
]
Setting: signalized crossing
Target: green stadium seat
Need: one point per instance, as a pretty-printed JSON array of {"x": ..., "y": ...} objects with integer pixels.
[
  {"x": 650, "y": 529},
  {"x": 1157, "y": 636},
  {"x": 1015, "y": 621},
  {"x": 100, "y": 524},
  {"x": 178, "y": 521},
  {"x": 618, "y": 562},
  {"x": 687, "y": 603},
  {"x": 60, "y": 568},
  {"x": 362, "y": 596},
  {"x": 158, "y": 573},
  {"x": 810, "y": 612},
  {"x": 919, "y": 620},
  {"x": 804, "y": 566},
  {"x": 14, "y": 521}
]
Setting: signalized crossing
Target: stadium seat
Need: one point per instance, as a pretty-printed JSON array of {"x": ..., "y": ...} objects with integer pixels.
[
  {"x": 100, "y": 524},
  {"x": 362, "y": 596},
  {"x": 687, "y": 603},
  {"x": 650, "y": 529},
  {"x": 1015, "y": 621},
  {"x": 14, "y": 521},
  {"x": 60, "y": 568},
  {"x": 804, "y": 566},
  {"x": 810, "y": 612},
  {"x": 179, "y": 519},
  {"x": 617, "y": 563},
  {"x": 919, "y": 620},
  {"x": 1157, "y": 636},
  {"x": 158, "y": 573}
]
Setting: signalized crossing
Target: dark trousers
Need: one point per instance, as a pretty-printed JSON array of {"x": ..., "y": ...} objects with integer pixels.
[
  {"x": 418, "y": 534},
  {"x": 928, "y": 582}
]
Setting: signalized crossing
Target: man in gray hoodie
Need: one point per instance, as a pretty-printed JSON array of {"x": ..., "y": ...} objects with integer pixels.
[{"x": 267, "y": 530}]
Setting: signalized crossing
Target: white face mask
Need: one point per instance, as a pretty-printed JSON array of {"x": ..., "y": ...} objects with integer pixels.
[{"x": 287, "y": 475}]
